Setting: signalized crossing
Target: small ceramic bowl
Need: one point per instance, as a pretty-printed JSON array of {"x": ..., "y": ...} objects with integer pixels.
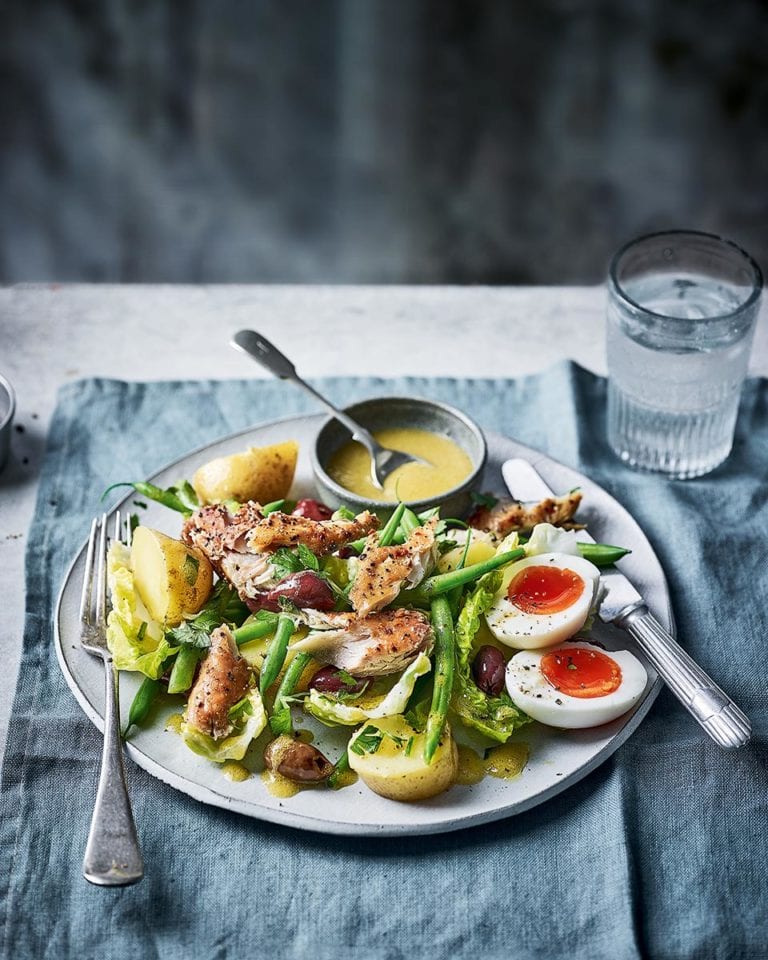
[
  {"x": 7, "y": 408},
  {"x": 382, "y": 412}
]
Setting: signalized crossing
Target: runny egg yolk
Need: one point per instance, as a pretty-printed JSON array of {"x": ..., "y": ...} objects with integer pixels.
[
  {"x": 581, "y": 673},
  {"x": 545, "y": 589}
]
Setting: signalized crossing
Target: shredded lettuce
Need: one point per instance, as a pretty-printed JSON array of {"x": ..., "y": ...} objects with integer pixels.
[
  {"x": 331, "y": 711},
  {"x": 136, "y": 641},
  {"x": 546, "y": 538},
  {"x": 495, "y": 717},
  {"x": 233, "y": 747}
]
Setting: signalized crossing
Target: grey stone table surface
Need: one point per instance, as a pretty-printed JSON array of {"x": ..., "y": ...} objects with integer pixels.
[{"x": 52, "y": 334}]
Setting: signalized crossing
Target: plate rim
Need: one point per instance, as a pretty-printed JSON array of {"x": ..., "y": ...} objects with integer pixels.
[{"x": 303, "y": 821}]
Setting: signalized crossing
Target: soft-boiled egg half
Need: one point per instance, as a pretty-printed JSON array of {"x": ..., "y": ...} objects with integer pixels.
[
  {"x": 575, "y": 684},
  {"x": 543, "y": 600}
]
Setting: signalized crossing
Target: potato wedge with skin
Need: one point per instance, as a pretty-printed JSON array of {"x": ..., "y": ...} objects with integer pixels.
[
  {"x": 172, "y": 579},
  {"x": 392, "y": 774},
  {"x": 262, "y": 474}
]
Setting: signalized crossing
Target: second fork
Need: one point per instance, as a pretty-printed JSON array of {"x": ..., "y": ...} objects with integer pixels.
[{"x": 112, "y": 854}]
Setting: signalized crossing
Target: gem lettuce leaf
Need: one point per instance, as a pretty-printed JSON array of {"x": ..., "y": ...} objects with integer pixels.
[
  {"x": 247, "y": 726},
  {"x": 495, "y": 717},
  {"x": 135, "y": 640},
  {"x": 545, "y": 538},
  {"x": 331, "y": 711}
]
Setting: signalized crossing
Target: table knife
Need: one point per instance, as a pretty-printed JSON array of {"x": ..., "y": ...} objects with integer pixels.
[{"x": 623, "y": 606}]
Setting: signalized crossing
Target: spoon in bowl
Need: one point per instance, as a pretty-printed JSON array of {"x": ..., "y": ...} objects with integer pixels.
[{"x": 383, "y": 460}]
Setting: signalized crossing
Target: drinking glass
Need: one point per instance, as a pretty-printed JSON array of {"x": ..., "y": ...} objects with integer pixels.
[{"x": 682, "y": 307}]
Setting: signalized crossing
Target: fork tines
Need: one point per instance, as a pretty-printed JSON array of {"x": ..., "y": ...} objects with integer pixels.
[{"x": 93, "y": 600}]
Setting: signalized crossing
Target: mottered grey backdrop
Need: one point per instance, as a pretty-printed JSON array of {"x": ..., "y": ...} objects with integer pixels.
[{"x": 373, "y": 140}]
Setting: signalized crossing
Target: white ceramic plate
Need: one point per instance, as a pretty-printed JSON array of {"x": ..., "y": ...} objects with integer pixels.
[{"x": 557, "y": 758}]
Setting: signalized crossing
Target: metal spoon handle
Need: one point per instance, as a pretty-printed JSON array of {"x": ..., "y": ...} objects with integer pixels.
[{"x": 262, "y": 351}]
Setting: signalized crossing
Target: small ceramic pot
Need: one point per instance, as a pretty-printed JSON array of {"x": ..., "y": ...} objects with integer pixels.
[{"x": 382, "y": 412}]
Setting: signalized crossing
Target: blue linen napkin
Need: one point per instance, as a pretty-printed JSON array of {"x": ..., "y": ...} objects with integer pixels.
[{"x": 661, "y": 852}]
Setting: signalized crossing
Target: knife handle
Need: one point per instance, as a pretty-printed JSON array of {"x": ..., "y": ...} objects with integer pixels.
[{"x": 710, "y": 706}]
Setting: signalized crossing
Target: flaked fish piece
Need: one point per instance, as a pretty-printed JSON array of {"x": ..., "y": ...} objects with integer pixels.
[
  {"x": 373, "y": 646},
  {"x": 221, "y": 536},
  {"x": 218, "y": 533},
  {"x": 249, "y": 573},
  {"x": 384, "y": 571},
  {"x": 222, "y": 680},
  {"x": 513, "y": 515},
  {"x": 320, "y": 536},
  {"x": 239, "y": 544}
]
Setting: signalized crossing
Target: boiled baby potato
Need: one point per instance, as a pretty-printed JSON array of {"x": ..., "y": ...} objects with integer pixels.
[
  {"x": 262, "y": 474},
  {"x": 392, "y": 774},
  {"x": 172, "y": 579},
  {"x": 481, "y": 547}
]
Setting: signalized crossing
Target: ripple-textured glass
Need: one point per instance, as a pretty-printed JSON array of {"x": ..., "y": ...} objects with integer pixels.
[{"x": 682, "y": 307}]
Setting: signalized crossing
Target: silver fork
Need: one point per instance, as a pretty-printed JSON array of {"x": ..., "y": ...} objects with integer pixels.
[{"x": 112, "y": 854}]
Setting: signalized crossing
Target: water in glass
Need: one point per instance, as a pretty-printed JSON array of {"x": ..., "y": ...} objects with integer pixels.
[{"x": 678, "y": 347}]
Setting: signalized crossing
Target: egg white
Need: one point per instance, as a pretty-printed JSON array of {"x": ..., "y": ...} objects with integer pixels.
[
  {"x": 531, "y": 631},
  {"x": 530, "y": 690}
]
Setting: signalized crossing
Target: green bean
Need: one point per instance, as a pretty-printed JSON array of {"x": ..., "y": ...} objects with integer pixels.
[
  {"x": 186, "y": 493},
  {"x": 281, "y": 721},
  {"x": 442, "y": 623},
  {"x": 409, "y": 523},
  {"x": 390, "y": 529},
  {"x": 443, "y": 583},
  {"x": 183, "y": 672},
  {"x": 273, "y": 507},
  {"x": 142, "y": 701},
  {"x": 275, "y": 658},
  {"x": 167, "y": 497},
  {"x": 339, "y": 769},
  {"x": 602, "y": 554},
  {"x": 454, "y": 597},
  {"x": 256, "y": 629}
]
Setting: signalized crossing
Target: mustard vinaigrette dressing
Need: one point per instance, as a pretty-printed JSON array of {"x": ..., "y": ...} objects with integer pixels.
[
  {"x": 448, "y": 465},
  {"x": 174, "y": 722},
  {"x": 505, "y": 762},
  {"x": 235, "y": 771}
]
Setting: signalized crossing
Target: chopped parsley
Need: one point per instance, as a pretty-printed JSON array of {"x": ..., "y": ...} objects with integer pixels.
[
  {"x": 224, "y": 606},
  {"x": 371, "y": 739},
  {"x": 190, "y": 568},
  {"x": 307, "y": 559},
  {"x": 445, "y": 546},
  {"x": 286, "y": 561},
  {"x": 368, "y": 741}
]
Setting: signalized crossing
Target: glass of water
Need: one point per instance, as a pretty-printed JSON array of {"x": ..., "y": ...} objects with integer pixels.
[{"x": 682, "y": 307}]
